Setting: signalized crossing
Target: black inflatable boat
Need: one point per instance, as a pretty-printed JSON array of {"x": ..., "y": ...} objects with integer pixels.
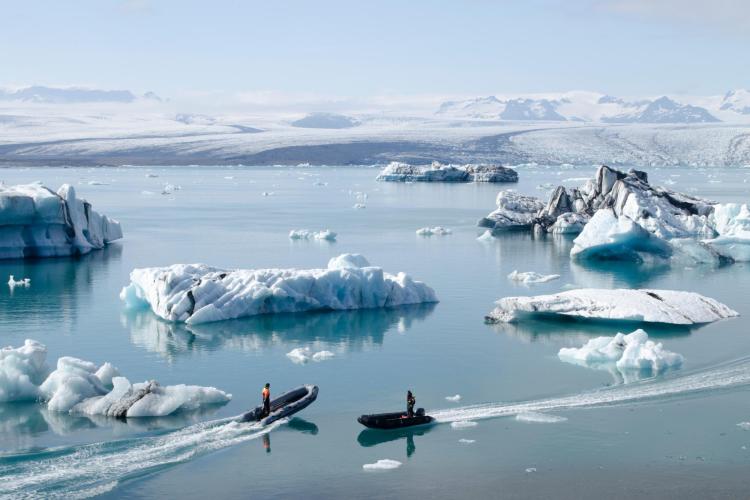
[
  {"x": 287, "y": 404},
  {"x": 397, "y": 420}
]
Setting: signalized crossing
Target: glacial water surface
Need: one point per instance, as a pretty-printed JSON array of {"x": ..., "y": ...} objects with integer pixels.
[{"x": 673, "y": 435}]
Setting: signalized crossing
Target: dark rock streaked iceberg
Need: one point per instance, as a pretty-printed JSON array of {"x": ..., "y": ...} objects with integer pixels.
[
  {"x": 646, "y": 306},
  {"x": 197, "y": 293},
  {"x": 37, "y": 222},
  {"x": 437, "y": 172}
]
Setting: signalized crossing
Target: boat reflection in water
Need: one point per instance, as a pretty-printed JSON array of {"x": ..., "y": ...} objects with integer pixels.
[{"x": 374, "y": 437}]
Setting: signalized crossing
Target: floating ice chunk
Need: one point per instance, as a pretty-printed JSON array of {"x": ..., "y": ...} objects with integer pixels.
[
  {"x": 539, "y": 418},
  {"x": 80, "y": 387},
  {"x": 531, "y": 277},
  {"x": 268, "y": 193},
  {"x": 37, "y": 222},
  {"x": 22, "y": 369},
  {"x": 437, "y": 230},
  {"x": 607, "y": 236},
  {"x": 569, "y": 223},
  {"x": 530, "y": 470},
  {"x": 320, "y": 184},
  {"x": 745, "y": 426},
  {"x": 305, "y": 234},
  {"x": 485, "y": 236},
  {"x": 626, "y": 353},
  {"x": 463, "y": 424},
  {"x": 97, "y": 183},
  {"x": 467, "y": 441},
  {"x": 152, "y": 175},
  {"x": 359, "y": 206},
  {"x": 514, "y": 211},
  {"x": 197, "y": 293},
  {"x": 649, "y": 306},
  {"x": 384, "y": 464},
  {"x": 169, "y": 189},
  {"x": 403, "y": 172},
  {"x": 302, "y": 355},
  {"x": 13, "y": 282},
  {"x": 453, "y": 399}
]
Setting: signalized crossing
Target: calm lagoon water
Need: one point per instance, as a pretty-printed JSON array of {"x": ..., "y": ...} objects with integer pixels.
[{"x": 679, "y": 443}]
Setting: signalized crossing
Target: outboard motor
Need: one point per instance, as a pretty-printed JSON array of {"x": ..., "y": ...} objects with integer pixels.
[{"x": 420, "y": 412}]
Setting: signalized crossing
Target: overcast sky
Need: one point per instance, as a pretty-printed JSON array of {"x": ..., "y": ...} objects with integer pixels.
[{"x": 353, "y": 48}]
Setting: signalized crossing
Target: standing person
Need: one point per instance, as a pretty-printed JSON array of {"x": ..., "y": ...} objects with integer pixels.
[
  {"x": 266, "y": 400},
  {"x": 410, "y": 402}
]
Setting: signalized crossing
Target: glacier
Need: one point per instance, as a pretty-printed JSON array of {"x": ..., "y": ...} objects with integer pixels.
[
  {"x": 642, "y": 305},
  {"x": 633, "y": 355},
  {"x": 437, "y": 172},
  {"x": 620, "y": 215},
  {"x": 198, "y": 293},
  {"x": 79, "y": 386},
  {"x": 38, "y": 222}
]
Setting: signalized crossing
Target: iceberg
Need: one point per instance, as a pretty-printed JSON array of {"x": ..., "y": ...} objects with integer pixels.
[
  {"x": 514, "y": 211},
  {"x": 647, "y": 306},
  {"x": 619, "y": 215},
  {"x": 437, "y": 172},
  {"x": 79, "y": 386},
  {"x": 437, "y": 230},
  {"x": 302, "y": 355},
  {"x": 383, "y": 464},
  {"x": 305, "y": 234},
  {"x": 38, "y": 222},
  {"x": 531, "y": 277},
  {"x": 197, "y": 293},
  {"x": 632, "y": 354}
]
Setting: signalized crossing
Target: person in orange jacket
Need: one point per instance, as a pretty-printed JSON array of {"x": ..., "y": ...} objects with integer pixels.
[{"x": 266, "y": 400}]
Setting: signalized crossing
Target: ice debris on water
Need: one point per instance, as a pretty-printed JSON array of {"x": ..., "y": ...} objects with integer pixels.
[
  {"x": 302, "y": 355},
  {"x": 642, "y": 305},
  {"x": 12, "y": 282},
  {"x": 539, "y": 418},
  {"x": 530, "y": 470},
  {"x": 383, "y": 464},
  {"x": 467, "y": 441},
  {"x": 463, "y": 424},
  {"x": 437, "y": 230},
  {"x": 79, "y": 386},
  {"x": 530, "y": 277},
  {"x": 745, "y": 426},
  {"x": 633, "y": 352},
  {"x": 197, "y": 293},
  {"x": 38, "y": 222},
  {"x": 453, "y": 399},
  {"x": 168, "y": 189},
  {"x": 306, "y": 234}
]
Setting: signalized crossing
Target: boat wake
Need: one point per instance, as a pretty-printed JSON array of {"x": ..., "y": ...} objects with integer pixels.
[
  {"x": 92, "y": 469},
  {"x": 732, "y": 374}
]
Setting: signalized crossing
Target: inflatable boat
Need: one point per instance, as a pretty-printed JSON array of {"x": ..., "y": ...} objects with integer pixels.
[
  {"x": 397, "y": 420},
  {"x": 287, "y": 404}
]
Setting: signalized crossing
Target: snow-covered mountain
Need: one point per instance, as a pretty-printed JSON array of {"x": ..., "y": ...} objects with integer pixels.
[
  {"x": 64, "y": 95},
  {"x": 737, "y": 101},
  {"x": 586, "y": 106}
]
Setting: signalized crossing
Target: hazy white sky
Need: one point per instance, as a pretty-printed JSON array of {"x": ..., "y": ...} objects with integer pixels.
[{"x": 352, "y": 48}]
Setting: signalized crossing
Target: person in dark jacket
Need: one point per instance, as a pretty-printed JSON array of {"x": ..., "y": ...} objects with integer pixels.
[
  {"x": 410, "y": 402},
  {"x": 266, "y": 400}
]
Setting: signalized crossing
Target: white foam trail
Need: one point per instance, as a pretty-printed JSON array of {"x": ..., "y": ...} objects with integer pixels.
[
  {"x": 89, "y": 470},
  {"x": 732, "y": 374}
]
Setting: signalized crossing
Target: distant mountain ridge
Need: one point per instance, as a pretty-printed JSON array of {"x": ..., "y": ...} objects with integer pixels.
[
  {"x": 591, "y": 107},
  {"x": 61, "y": 95}
]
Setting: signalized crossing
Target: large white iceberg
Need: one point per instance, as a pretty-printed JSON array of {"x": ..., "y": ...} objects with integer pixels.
[
  {"x": 648, "y": 306},
  {"x": 79, "y": 386},
  {"x": 631, "y": 355},
  {"x": 437, "y": 172},
  {"x": 197, "y": 293},
  {"x": 37, "y": 222},
  {"x": 619, "y": 215}
]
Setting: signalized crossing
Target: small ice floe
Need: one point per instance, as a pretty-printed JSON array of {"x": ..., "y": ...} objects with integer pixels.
[
  {"x": 642, "y": 305},
  {"x": 531, "y": 277},
  {"x": 384, "y": 464},
  {"x": 306, "y": 234},
  {"x": 745, "y": 426},
  {"x": 147, "y": 193},
  {"x": 169, "y": 189},
  {"x": 359, "y": 206},
  {"x": 320, "y": 184},
  {"x": 437, "y": 230},
  {"x": 152, "y": 175},
  {"x": 453, "y": 399},
  {"x": 539, "y": 418},
  {"x": 97, "y": 183},
  {"x": 268, "y": 193},
  {"x": 463, "y": 424},
  {"x": 530, "y": 470},
  {"x": 634, "y": 356},
  {"x": 467, "y": 441},
  {"x": 485, "y": 236},
  {"x": 79, "y": 386},
  {"x": 303, "y": 355},
  {"x": 12, "y": 282}
]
